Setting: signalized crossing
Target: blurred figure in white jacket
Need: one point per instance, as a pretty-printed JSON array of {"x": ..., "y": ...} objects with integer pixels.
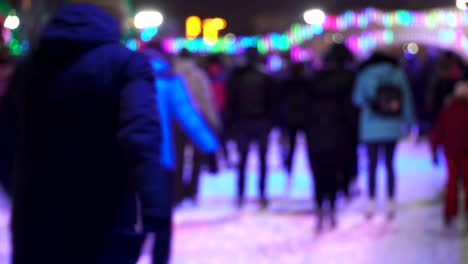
[{"x": 199, "y": 86}]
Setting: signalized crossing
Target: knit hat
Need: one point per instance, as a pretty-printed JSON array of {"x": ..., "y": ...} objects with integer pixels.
[{"x": 115, "y": 8}]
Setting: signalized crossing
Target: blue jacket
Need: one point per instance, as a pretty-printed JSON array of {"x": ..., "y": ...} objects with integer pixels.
[
  {"x": 374, "y": 128},
  {"x": 88, "y": 135},
  {"x": 175, "y": 104}
]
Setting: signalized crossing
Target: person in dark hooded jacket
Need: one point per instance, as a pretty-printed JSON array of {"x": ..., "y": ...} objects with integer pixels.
[
  {"x": 88, "y": 136},
  {"x": 294, "y": 92},
  {"x": 250, "y": 105},
  {"x": 331, "y": 129}
]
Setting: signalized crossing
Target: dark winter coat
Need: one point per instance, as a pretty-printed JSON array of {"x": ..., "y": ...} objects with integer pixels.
[
  {"x": 331, "y": 116},
  {"x": 251, "y": 96},
  {"x": 294, "y": 101},
  {"x": 88, "y": 134}
]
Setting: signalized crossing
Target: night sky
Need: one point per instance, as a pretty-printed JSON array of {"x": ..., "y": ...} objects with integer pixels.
[{"x": 241, "y": 13}]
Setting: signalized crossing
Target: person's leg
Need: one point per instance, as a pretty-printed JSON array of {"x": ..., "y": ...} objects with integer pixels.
[
  {"x": 340, "y": 164},
  {"x": 391, "y": 178},
  {"x": 451, "y": 193},
  {"x": 389, "y": 164},
  {"x": 349, "y": 171},
  {"x": 243, "y": 146},
  {"x": 373, "y": 157},
  {"x": 292, "y": 133},
  {"x": 224, "y": 139},
  {"x": 315, "y": 160},
  {"x": 224, "y": 150},
  {"x": 178, "y": 179},
  {"x": 162, "y": 246},
  {"x": 316, "y": 166},
  {"x": 320, "y": 186},
  {"x": 333, "y": 172},
  {"x": 464, "y": 170},
  {"x": 192, "y": 187},
  {"x": 263, "y": 148},
  {"x": 291, "y": 138}
]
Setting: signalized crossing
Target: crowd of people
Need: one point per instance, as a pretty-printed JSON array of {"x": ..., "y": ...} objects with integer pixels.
[{"x": 94, "y": 136}]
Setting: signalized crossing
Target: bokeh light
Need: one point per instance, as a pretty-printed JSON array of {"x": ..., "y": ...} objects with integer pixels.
[
  {"x": 148, "y": 19},
  {"x": 412, "y": 48},
  {"x": 315, "y": 17},
  {"x": 443, "y": 22},
  {"x": 274, "y": 63},
  {"x": 462, "y": 4},
  {"x": 148, "y": 33},
  {"x": 12, "y": 22},
  {"x": 132, "y": 44}
]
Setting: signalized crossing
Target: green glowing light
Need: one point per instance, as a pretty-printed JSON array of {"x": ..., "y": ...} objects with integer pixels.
[
  {"x": 15, "y": 47},
  {"x": 404, "y": 17},
  {"x": 262, "y": 47}
]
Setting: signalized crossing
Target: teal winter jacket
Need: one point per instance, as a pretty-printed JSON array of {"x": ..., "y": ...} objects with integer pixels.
[{"x": 374, "y": 128}]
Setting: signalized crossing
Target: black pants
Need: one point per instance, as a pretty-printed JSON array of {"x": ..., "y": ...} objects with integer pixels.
[
  {"x": 373, "y": 156},
  {"x": 190, "y": 184},
  {"x": 326, "y": 167},
  {"x": 350, "y": 168},
  {"x": 162, "y": 246},
  {"x": 181, "y": 188},
  {"x": 191, "y": 187},
  {"x": 224, "y": 139},
  {"x": 292, "y": 132},
  {"x": 248, "y": 133}
]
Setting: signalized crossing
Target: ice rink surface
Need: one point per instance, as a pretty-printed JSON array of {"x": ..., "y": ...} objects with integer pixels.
[{"x": 216, "y": 233}]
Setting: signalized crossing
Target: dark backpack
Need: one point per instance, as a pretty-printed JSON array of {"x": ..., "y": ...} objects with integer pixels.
[{"x": 388, "y": 101}]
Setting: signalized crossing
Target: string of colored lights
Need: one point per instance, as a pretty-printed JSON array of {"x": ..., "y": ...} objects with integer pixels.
[
  {"x": 447, "y": 38},
  {"x": 392, "y": 22}
]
